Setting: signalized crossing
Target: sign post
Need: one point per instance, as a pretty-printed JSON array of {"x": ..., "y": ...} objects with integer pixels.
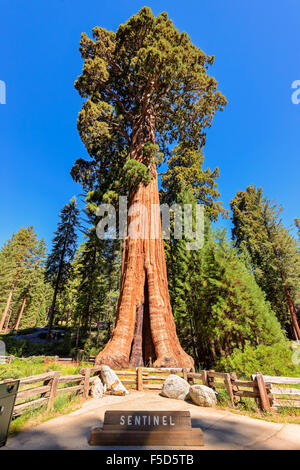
[{"x": 140, "y": 428}]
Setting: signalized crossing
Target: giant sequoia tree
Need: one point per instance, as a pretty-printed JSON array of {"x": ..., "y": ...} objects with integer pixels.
[{"x": 146, "y": 86}]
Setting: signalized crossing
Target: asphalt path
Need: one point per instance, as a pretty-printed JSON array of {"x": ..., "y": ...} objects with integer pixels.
[{"x": 222, "y": 429}]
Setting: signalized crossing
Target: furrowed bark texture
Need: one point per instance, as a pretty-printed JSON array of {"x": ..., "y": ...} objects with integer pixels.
[
  {"x": 8, "y": 303},
  {"x": 144, "y": 331}
]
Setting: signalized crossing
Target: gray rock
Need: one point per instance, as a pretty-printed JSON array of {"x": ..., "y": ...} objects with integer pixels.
[
  {"x": 98, "y": 389},
  {"x": 111, "y": 380},
  {"x": 203, "y": 395},
  {"x": 175, "y": 387}
]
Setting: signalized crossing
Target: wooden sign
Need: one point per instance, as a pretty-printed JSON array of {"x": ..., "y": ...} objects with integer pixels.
[{"x": 147, "y": 428}]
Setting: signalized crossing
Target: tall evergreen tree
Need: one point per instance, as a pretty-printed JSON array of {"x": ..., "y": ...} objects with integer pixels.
[
  {"x": 146, "y": 86},
  {"x": 98, "y": 274},
  {"x": 217, "y": 304},
  {"x": 185, "y": 173},
  {"x": 19, "y": 255},
  {"x": 32, "y": 286},
  {"x": 272, "y": 253},
  {"x": 63, "y": 250},
  {"x": 89, "y": 268}
]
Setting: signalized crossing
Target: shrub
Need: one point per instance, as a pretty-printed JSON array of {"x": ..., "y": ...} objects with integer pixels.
[{"x": 269, "y": 360}]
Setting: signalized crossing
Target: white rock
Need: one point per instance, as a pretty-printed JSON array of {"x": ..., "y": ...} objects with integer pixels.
[
  {"x": 97, "y": 388},
  {"x": 203, "y": 396},
  {"x": 175, "y": 387},
  {"x": 111, "y": 380}
]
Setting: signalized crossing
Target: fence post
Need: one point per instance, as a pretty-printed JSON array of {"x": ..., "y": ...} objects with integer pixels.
[
  {"x": 264, "y": 399},
  {"x": 211, "y": 379},
  {"x": 228, "y": 384},
  {"x": 53, "y": 384},
  {"x": 86, "y": 382},
  {"x": 48, "y": 382},
  {"x": 139, "y": 379},
  {"x": 204, "y": 377},
  {"x": 235, "y": 388},
  {"x": 192, "y": 380}
]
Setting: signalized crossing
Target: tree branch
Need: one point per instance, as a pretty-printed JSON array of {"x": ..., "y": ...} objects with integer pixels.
[{"x": 124, "y": 110}]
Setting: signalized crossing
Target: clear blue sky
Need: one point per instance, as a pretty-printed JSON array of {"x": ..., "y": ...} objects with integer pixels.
[{"x": 256, "y": 139}]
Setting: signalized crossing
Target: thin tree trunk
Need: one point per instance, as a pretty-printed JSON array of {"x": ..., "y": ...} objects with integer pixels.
[
  {"x": 20, "y": 314},
  {"x": 293, "y": 313},
  {"x": 77, "y": 337},
  {"x": 51, "y": 312},
  {"x": 67, "y": 316},
  {"x": 7, "y": 323},
  {"x": 193, "y": 340},
  {"x": 47, "y": 314}
]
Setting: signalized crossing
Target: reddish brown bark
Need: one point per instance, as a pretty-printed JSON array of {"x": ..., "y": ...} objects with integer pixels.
[
  {"x": 144, "y": 303},
  {"x": 8, "y": 304},
  {"x": 144, "y": 331},
  {"x": 293, "y": 313},
  {"x": 7, "y": 323}
]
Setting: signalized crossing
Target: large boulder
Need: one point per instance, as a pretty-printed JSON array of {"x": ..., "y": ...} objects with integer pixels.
[
  {"x": 203, "y": 396},
  {"x": 111, "y": 380},
  {"x": 98, "y": 389},
  {"x": 175, "y": 387}
]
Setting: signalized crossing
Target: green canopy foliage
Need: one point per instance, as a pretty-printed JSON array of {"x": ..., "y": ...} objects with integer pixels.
[
  {"x": 22, "y": 267},
  {"x": 269, "y": 248},
  {"x": 147, "y": 78},
  {"x": 217, "y": 304}
]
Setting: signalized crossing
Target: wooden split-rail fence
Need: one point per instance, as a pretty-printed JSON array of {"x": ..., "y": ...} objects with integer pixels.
[
  {"x": 261, "y": 388},
  {"x": 49, "y": 359},
  {"x": 6, "y": 359},
  {"x": 269, "y": 392}
]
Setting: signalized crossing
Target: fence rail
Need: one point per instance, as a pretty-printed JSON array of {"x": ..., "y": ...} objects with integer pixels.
[
  {"x": 39, "y": 390},
  {"x": 6, "y": 359},
  {"x": 68, "y": 360}
]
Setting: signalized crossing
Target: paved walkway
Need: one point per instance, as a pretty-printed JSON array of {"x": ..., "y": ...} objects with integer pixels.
[{"x": 222, "y": 429}]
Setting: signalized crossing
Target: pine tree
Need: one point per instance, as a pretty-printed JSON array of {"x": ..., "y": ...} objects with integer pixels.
[
  {"x": 91, "y": 292},
  {"x": 98, "y": 273},
  {"x": 271, "y": 251},
  {"x": 63, "y": 250},
  {"x": 90, "y": 264},
  {"x": 185, "y": 172},
  {"x": 67, "y": 300},
  {"x": 217, "y": 303},
  {"x": 146, "y": 86},
  {"x": 19, "y": 256}
]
